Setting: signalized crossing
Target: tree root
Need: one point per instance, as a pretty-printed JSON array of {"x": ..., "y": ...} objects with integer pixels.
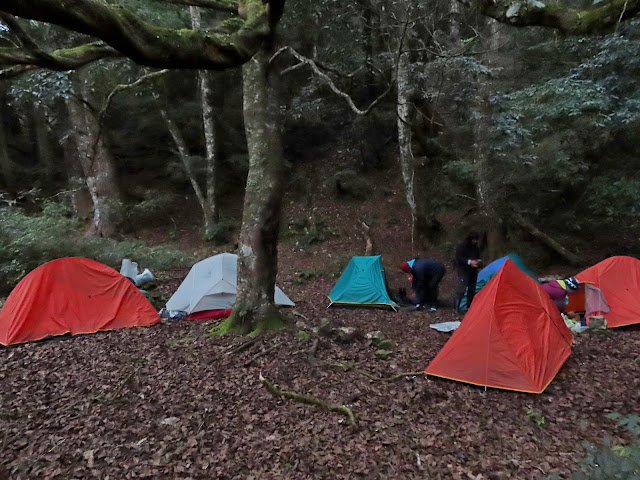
[
  {"x": 311, "y": 354},
  {"x": 242, "y": 346},
  {"x": 262, "y": 353},
  {"x": 349, "y": 366},
  {"x": 308, "y": 400}
]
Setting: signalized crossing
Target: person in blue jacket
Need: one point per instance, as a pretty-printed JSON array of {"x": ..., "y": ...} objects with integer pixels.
[{"x": 426, "y": 275}]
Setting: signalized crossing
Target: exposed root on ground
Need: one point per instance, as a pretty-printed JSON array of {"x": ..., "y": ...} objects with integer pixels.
[
  {"x": 350, "y": 366},
  {"x": 308, "y": 400},
  {"x": 262, "y": 353}
]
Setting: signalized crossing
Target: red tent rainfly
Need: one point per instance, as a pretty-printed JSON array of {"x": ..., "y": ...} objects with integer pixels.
[
  {"x": 72, "y": 295},
  {"x": 619, "y": 280},
  {"x": 513, "y": 337}
]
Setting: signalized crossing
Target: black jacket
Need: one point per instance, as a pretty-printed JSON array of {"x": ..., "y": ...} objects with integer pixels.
[
  {"x": 466, "y": 251},
  {"x": 423, "y": 269}
]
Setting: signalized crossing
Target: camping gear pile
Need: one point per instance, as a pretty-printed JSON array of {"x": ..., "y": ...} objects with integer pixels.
[{"x": 513, "y": 336}]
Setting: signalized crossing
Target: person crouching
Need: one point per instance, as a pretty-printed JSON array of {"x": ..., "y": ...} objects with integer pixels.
[{"x": 426, "y": 275}]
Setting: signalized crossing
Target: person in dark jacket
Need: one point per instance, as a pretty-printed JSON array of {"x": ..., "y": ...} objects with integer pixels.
[
  {"x": 426, "y": 275},
  {"x": 467, "y": 264}
]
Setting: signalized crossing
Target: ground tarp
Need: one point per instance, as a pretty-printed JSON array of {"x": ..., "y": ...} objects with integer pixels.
[
  {"x": 210, "y": 286},
  {"x": 513, "y": 337},
  {"x": 619, "y": 280},
  {"x": 363, "y": 283},
  {"x": 72, "y": 295}
]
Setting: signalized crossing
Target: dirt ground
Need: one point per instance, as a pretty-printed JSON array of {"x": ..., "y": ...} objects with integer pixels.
[{"x": 169, "y": 401}]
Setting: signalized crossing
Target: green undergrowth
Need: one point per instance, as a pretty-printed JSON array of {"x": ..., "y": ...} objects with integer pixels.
[
  {"x": 610, "y": 461},
  {"x": 27, "y": 242}
]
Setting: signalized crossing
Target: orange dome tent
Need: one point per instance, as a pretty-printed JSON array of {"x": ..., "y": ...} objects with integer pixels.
[
  {"x": 512, "y": 337},
  {"x": 72, "y": 295},
  {"x": 619, "y": 280}
]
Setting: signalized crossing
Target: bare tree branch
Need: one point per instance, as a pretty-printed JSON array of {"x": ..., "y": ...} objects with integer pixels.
[
  {"x": 326, "y": 79},
  {"x": 127, "y": 86},
  {"x": 16, "y": 28}
]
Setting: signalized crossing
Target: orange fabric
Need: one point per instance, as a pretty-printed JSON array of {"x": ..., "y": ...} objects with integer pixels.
[
  {"x": 619, "y": 280},
  {"x": 512, "y": 337},
  {"x": 72, "y": 295},
  {"x": 576, "y": 300}
]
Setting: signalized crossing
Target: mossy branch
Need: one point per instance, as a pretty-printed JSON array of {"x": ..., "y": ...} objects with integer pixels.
[
  {"x": 308, "y": 400},
  {"x": 544, "y": 13},
  {"x": 328, "y": 81},
  {"x": 62, "y": 59},
  {"x": 149, "y": 44}
]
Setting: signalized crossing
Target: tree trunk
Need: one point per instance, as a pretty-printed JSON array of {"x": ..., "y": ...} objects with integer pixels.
[
  {"x": 254, "y": 310},
  {"x": 98, "y": 168},
  {"x": 6, "y": 169},
  {"x": 209, "y": 124},
  {"x": 454, "y": 25},
  {"x": 404, "y": 120},
  {"x": 491, "y": 217},
  {"x": 185, "y": 157},
  {"x": 42, "y": 146},
  {"x": 79, "y": 197},
  {"x": 570, "y": 257},
  {"x": 212, "y": 215}
]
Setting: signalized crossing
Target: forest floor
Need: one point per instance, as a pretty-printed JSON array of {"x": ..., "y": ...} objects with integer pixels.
[{"x": 170, "y": 401}]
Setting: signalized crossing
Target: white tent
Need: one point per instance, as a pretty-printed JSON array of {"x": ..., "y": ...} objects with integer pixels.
[{"x": 211, "y": 285}]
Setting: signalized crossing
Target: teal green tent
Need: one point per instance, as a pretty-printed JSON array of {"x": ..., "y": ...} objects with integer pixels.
[
  {"x": 362, "y": 283},
  {"x": 490, "y": 270}
]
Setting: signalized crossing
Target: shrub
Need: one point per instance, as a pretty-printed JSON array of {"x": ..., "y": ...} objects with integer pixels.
[
  {"x": 613, "y": 462},
  {"x": 29, "y": 241},
  {"x": 349, "y": 184},
  {"x": 312, "y": 229},
  {"x": 222, "y": 232}
]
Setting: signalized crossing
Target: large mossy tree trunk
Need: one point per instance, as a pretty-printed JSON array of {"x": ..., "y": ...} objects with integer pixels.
[
  {"x": 98, "y": 168},
  {"x": 254, "y": 310}
]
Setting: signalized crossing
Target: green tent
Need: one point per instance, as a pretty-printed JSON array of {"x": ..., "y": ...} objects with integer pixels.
[
  {"x": 362, "y": 283},
  {"x": 490, "y": 270}
]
